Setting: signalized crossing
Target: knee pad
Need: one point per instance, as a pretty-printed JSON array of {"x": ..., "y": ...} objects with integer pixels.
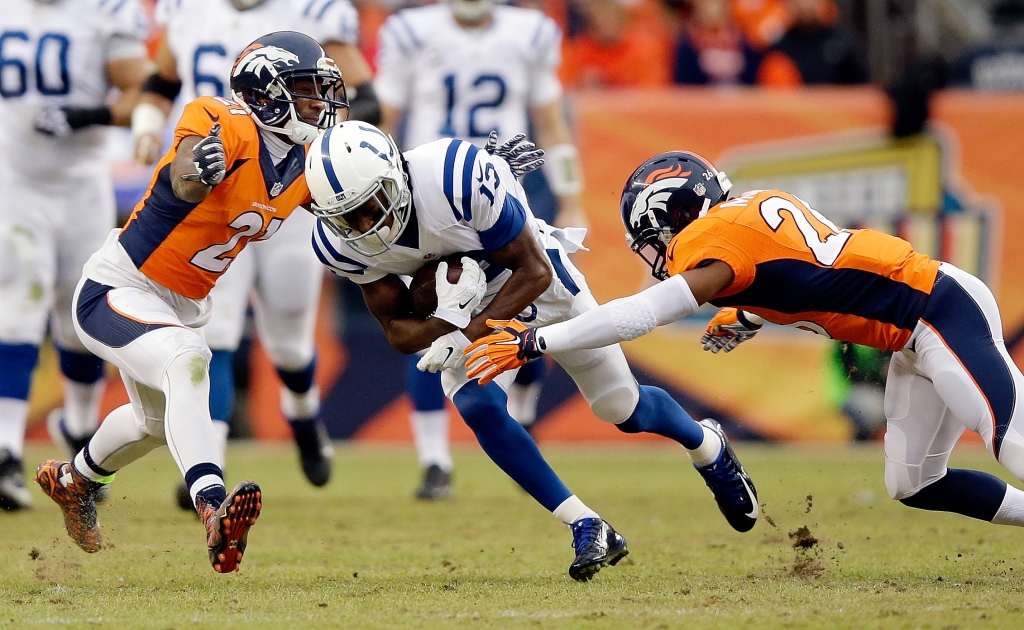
[
  {"x": 298, "y": 381},
  {"x": 616, "y": 405}
]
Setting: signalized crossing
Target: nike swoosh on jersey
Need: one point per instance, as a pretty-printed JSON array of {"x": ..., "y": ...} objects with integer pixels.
[{"x": 210, "y": 114}]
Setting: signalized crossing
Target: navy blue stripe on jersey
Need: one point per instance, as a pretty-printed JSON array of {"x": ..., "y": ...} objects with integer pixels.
[
  {"x": 331, "y": 257},
  {"x": 795, "y": 286},
  {"x": 161, "y": 212},
  {"x": 332, "y": 177},
  {"x": 448, "y": 178},
  {"x": 961, "y": 323},
  {"x": 467, "y": 182},
  {"x": 508, "y": 226},
  {"x": 392, "y": 30},
  {"x": 327, "y": 5},
  {"x": 410, "y": 236},
  {"x": 563, "y": 274},
  {"x": 103, "y": 323}
]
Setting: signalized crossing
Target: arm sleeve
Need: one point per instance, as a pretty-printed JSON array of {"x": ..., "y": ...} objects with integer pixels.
[
  {"x": 395, "y": 62},
  {"x": 623, "y": 319},
  {"x": 546, "y": 44},
  {"x": 327, "y": 251},
  {"x": 330, "y": 21}
]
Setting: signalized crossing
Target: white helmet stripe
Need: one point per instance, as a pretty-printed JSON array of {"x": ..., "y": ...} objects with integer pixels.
[{"x": 325, "y": 152}]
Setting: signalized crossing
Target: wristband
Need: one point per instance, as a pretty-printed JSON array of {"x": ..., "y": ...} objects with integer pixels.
[
  {"x": 562, "y": 169},
  {"x": 453, "y": 318},
  {"x": 79, "y": 117},
  {"x": 460, "y": 338},
  {"x": 751, "y": 321},
  {"x": 160, "y": 86},
  {"x": 147, "y": 119}
]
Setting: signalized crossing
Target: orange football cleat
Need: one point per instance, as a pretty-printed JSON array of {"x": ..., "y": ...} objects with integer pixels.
[
  {"x": 76, "y": 497},
  {"x": 227, "y": 525}
]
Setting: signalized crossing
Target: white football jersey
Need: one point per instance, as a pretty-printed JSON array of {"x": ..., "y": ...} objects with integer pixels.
[
  {"x": 457, "y": 82},
  {"x": 53, "y": 55},
  {"x": 206, "y": 36}
]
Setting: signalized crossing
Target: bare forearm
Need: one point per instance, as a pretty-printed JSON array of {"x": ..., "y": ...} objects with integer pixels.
[{"x": 412, "y": 335}]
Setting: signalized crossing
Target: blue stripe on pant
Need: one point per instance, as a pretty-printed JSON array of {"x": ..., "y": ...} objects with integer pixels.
[
  {"x": 103, "y": 323},
  {"x": 959, "y": 320}
]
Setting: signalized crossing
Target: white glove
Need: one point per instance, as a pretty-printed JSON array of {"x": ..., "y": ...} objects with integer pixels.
[
  {"x": 455, "y": 302},
  {"x": 444, "y": 354}
]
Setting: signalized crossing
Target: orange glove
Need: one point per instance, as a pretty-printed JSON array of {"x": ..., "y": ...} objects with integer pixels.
[
  {"x": 727, "y": 329},
  {"x": 510, "y": 346}
]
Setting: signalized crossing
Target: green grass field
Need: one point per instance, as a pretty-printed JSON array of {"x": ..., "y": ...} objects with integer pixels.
[{"x": 362, "y": 553}]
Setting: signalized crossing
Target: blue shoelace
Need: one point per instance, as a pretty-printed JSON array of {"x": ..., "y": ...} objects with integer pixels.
[
  {"x": 585, "y": 533},
  {"x": 722, "y": 478}
]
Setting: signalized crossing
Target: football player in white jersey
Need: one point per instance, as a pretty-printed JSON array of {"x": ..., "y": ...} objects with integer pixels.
[
  {"x": 461, "y": 69},
  {"x": 384, "y": 214},
  {"x": 60, "y": 59},
  {"x": 201, "y": 40}
]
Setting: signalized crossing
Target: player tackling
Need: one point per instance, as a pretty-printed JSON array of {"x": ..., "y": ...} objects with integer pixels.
[
  {"x": 384, "y": 214},
  {"x": 145, "y": 293},
  {"x": 768, "y": 256}
]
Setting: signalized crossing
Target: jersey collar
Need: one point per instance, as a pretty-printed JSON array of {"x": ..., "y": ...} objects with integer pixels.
[{"x": 279, "y": 178}]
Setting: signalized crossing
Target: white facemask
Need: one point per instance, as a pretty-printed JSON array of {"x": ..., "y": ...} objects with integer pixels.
[{"x": 471, "y": 10}]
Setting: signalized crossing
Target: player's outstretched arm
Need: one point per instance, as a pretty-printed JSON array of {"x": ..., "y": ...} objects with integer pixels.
[
  {"x": 148, "y": 116},
  {"x": 198, "y": 166},
  {"x": 624, "y": 319}
]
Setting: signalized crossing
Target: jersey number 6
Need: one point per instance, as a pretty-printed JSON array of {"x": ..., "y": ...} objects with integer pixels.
[
  {"x": 825, "y": 251},
  {"x": 217, "y": 258}
]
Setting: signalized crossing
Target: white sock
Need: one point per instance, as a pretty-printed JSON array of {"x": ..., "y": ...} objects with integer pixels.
[
  {"x": 708, "y": 451},
  {"x": 1011, "y": 510},
  {"x": 430, "y": 433},
  {"x": 522, "y": 402},
  {"x": 300, "y": 406},
  {"x": 572, "y": 510},
  {"x": 82, "y": 406},
  {"x": 13, "y": 416}
]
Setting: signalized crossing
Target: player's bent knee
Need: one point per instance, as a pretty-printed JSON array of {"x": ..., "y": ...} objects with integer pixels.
[
  {"x": 191, "y": 365},
  {"x": 615, "y": 405}
]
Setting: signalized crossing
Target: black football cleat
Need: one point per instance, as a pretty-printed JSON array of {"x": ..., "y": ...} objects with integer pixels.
[
  {"x": 315, "y": 450},
  {"x": 729, "y": 482},
  {"x": 437, "y": 484},
  {"x": 597, "y": 545}
]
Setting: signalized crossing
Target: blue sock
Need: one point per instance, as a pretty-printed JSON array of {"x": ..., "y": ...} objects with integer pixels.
[
  {"x": 657, "y": 412},
  {"x": 531, "y": 372},
  {"x": 17, "y": 360},
  {"x": 222, "y": 385},
  {"x": 298, "y": 381},
  {"x": 508, "y": 444},
  {"x": 424, "y": 388},
  {"x": 968, "y": 492},
  {"x": 81, "y": 367}
]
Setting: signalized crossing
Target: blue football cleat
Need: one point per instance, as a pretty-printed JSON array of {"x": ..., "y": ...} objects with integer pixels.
[
  {"x": 597, "y": 545},
  {"x": 729, "y": 482}
]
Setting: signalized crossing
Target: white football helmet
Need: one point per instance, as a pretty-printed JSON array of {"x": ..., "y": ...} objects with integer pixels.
[
  {"x": 471, "y": 10},
  {"x": 354, "y": 171}
]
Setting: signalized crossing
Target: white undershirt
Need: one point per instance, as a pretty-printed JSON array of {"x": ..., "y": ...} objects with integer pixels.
[{"x": 277, "y": 146}]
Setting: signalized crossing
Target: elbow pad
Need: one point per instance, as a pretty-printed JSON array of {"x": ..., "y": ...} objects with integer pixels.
[
  {"x": 364, "y": 105},
  {"x": 664, "y": 303},
  {"x": 160, "y": 86}
]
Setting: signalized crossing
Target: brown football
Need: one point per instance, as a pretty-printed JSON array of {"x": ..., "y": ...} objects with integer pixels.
[{"x": 422, "y": 290}]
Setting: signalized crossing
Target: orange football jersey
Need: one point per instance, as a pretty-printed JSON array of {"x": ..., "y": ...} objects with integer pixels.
[
  {"x": 187, "y": 246},
  {"x": 795, "y": 267}
]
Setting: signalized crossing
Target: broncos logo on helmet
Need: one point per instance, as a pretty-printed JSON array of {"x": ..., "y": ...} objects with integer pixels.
[
  {"x": 258, "y": 58},
  {"x": 653, "y": 199}
]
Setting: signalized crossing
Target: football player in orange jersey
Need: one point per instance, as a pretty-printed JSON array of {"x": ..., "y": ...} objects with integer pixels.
[
  {"x": 233, "y": 174},
  {"x": 768, "y": 256}
]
